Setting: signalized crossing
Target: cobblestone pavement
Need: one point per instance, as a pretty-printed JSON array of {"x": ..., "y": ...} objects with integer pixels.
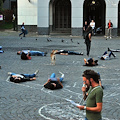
[{"x": 31, "y": 101}]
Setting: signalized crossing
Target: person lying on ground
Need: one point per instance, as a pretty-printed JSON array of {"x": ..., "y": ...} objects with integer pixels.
[
  {"x": 54, "y": 83},
  {"x": 114, "y": 50},
  {"x": 25, "y": 56},
  {"x": 17, "y": 78},
  {"x": 90, "y": 62},
  {"x": 107, "y": 56},
  {"x": 66, "y": 52},
  {"x": 1, "y": 51},
  {"x": 32, "y": 53}
]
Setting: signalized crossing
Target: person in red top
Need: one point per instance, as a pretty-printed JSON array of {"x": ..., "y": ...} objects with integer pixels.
[{"x": 110, "y": 25}]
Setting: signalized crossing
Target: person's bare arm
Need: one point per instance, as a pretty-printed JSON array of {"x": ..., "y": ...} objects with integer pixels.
[
  {"x": 59, "y": 82},
  {"x": 98, "y": 108},
  {"x": 47, "y": 81}
]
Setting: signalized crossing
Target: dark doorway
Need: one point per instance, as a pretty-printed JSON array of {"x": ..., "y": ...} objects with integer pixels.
[
  {"x": 62, "y": 15},
  {"x": 119, "y": 18},
  {"x": 95, "y": 10}
]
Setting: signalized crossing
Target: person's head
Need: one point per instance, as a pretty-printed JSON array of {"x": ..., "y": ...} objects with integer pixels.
[
  {"x": 85, "y": 22},
  {"x": 23, "y": 23},
  {"x": 18, "y": 52},
  {"x": 52, "y": 86},
  {"x": 90, "y": 77},
  {"x": 15, "y": 79}
]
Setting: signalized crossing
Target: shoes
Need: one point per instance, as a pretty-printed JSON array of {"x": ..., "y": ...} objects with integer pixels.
[
  {"x": 110, "y": 37},
  {"x": 36, "y": 72},
  {"x": 62, "y": 75},
  {"x": 9, "y": 73},
  {"x": 81, "y": 53},
  {"x": 0, "y": 67},
  {"x": 45, "y": 53},
  {"x": 109, "y": 49}
]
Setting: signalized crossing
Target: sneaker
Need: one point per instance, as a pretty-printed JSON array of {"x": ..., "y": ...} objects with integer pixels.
[
  {"x": 81, "y": 53},
  {"x": 62, "y": 75},
  {"x": 110, "y": 37},
  {"x": 109, "y": 49},
  {"x": 9, "y": 73},
  {"x": 36, "y": 72},
  {"x": 0, "y": 67}
]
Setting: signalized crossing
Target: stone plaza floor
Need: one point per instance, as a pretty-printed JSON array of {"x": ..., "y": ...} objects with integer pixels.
[{"x": 31, "y": 101}]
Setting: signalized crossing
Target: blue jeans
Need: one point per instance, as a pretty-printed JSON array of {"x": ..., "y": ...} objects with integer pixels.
[
  {"x": 52, "y": 77},
  {"x": 25, "y": 75},
  {"x": 87, "y": 119},
  {"x": 0, "y": 47},
  {"x": 38, "y": 53},
  {"x": 23, "y": 32}
]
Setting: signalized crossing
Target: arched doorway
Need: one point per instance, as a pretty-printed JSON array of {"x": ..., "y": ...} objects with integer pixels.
[
  {"x": 62, "y": 16},
  {"x": 95, "y": 10},
  {"x": 119, "y": 18}
]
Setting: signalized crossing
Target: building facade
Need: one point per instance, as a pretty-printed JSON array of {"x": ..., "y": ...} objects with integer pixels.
[{"x": 67, "y": 16}]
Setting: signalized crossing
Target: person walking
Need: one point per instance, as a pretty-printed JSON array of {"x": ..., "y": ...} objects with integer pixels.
[
  {"x": 110, "y": 25},
  {"x": 88, "y": 39},
  {"x": 23, "y": 30},
  {"x": 94, "y": 96}
]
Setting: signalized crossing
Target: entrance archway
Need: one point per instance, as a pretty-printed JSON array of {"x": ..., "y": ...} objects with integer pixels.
[
  {"x": 95, "y": 10},
  {"x": 62, "y": 15},
  {"x": 119, "y": 18}
]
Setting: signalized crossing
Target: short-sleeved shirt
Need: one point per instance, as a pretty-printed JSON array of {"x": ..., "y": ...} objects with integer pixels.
[
  {"x": 58, "y": 86},
  {"x": 95, "y": 95}
]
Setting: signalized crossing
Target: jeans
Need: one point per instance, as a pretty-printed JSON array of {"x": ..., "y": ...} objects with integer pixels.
[
  {"x": 110, "y": 32},
  {"x": 23, "y": 32},
  {"x": 1, "y": 51},
  {"x": 87, "y": 119},
  {"x": 25, "y": 75},
  {"x": 38, "y": 53},
  {"x": 0, "y": 47},
  {"x": 53, "y": 78},
  {"x": 88, "y": 45}
]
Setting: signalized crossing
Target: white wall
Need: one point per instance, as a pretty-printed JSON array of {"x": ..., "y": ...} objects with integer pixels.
[
  {"x": 43, "y": 13},
  {"x": 77, "y": 13},
  {"x": 27, "y": 12}
]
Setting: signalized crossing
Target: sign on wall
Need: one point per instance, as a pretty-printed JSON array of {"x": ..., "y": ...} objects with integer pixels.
[{"x": 1, "y": 17}]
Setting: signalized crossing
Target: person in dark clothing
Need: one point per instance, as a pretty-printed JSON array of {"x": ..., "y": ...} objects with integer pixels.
[
  {"x": 17, "y": 78},
  {"x": 25, "y": 56},
  {"x": 107, "y": 56},
  {"x": 88, "y": 34},
  {"x": 84, "y": 29},
  {"x": 114, "y": 50},
  {"x": 90, "y": 62},
  {"x": 66, "y": 52},
  {"x": 54, "y": 83}
]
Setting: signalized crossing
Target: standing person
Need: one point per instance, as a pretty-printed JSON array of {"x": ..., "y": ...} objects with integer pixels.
[
  {"x": 110, "y": 25},
  {"x": 92, "y": 24},
  {"x": 94, "y": 96},
  {"x": 54, "y": 83},
  {"x": 84, "y": 28},
  {"x": 88, "y": 34},
  {"x": 23, "y": 30}
]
